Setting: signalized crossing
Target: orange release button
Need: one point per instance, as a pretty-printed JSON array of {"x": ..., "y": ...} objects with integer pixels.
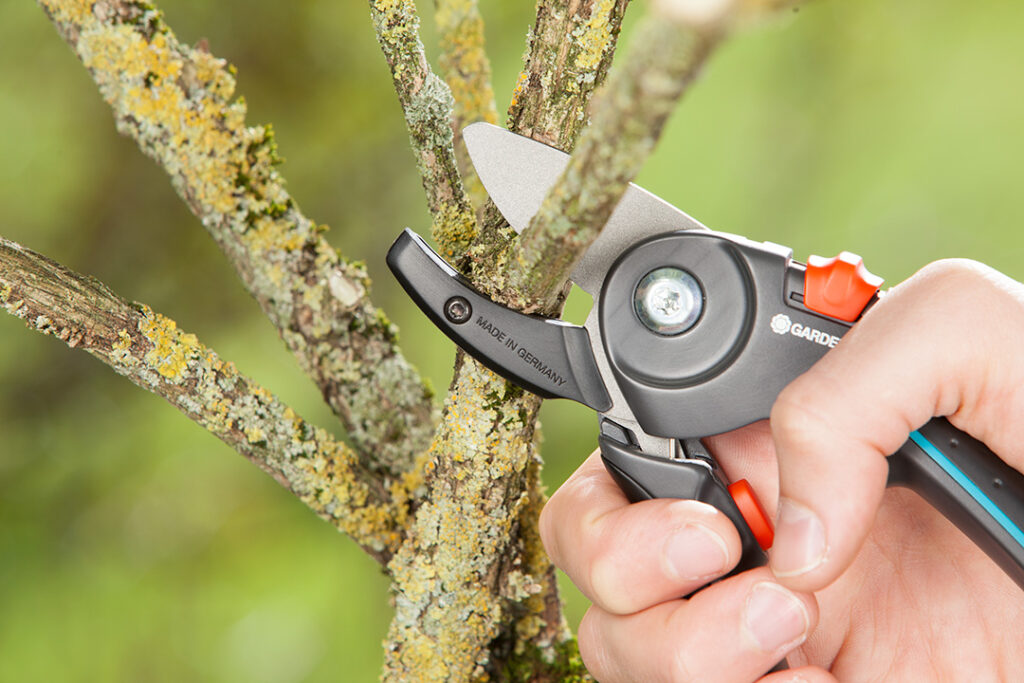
[
  {"x": 753, "y": 514},
  {"x": 839, "y": 287}
]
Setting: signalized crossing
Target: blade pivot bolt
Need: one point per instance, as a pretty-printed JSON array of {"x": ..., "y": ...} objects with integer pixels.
[
  {"x": 458, "y": 310},
  {"x": 668, "y": 301}
]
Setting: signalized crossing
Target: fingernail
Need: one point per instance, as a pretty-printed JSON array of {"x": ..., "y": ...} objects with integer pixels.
[
  {"x": 799, "y": 540},
  {"x": 775, "y": 617},
  {"x": 695, "y": 552}
]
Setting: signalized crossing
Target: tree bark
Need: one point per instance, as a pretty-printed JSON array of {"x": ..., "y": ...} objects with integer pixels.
[
  {"x": 475, "y": 594},
  {"x": 455, "y": 523},
  {"x": 178, "y": 104},
  {"x": 154, "y": 354}
]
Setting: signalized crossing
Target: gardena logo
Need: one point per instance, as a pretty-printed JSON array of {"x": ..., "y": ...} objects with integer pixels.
[{"x": 782, "y": 324}]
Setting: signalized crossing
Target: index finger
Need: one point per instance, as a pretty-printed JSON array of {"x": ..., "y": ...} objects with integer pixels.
[
  {"x": 943, "y": 343},
  {"x": 627, "y": 557}
]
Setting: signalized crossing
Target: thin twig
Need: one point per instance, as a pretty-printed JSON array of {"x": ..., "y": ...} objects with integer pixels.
[
  {"x": 467, "y": 71},
  {"x": 569, "y": 53},
  {"x": 628, "y": 117},
  {"x": 570, "y": 50},
  {"x": 669, "y": 49},
  {"x": 427, "y": 105}
]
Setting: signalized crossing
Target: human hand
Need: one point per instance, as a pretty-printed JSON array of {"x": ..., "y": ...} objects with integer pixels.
[{"x": 906, "y": 598}]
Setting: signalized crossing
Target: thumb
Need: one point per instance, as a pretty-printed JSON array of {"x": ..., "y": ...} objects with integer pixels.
[{"x": 945, "y": 342}]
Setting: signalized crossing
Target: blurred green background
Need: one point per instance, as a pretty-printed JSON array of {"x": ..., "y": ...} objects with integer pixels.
[{"x": 134, "y": 546}]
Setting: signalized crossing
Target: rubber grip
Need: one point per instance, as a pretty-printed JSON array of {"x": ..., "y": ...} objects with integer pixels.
[{"x": 970, "y": 485}]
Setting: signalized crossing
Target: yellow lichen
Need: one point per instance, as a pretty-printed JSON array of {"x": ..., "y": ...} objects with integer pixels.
[
  {"x": 454, "y": 229},
  {"x": 595, "y": 38},
  {"x": 518, "y": 90},
  {"x": 464, "y": 61},
  {"x": 254, "y": 434},
  {"x": 172, "y": 348},
  {"x": 124, "y": 341}
]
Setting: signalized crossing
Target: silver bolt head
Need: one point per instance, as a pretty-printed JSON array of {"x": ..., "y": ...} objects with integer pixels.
[{"x": 668, "y": 301}]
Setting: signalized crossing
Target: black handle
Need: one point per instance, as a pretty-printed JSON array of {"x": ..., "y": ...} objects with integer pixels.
[
  {"x": 643, "y": 477},
  {"x": 965, "y": 481},
  {"x": 549, "y": 357}
]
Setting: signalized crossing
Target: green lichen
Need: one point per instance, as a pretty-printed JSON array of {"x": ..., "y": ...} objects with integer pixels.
[
  {"x": 560, "y": 663},
  {"x": 462, "y": 533},
  {"x": 427, "y": 105}
]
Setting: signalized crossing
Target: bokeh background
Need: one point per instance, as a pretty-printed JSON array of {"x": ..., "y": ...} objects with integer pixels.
[{"x": 135, "y": 546}]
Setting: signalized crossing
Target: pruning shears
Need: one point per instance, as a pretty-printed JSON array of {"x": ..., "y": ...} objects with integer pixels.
[{"x": 692, "y": 333}]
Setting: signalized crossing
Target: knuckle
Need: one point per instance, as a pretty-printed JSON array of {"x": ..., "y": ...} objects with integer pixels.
[
  {"x": 955, "y": 277},
  {"x": 606, "y": 581},
  {"x": 963, "y": 292},
  {"x": 548, "y": 524},
  {"x": 593, "y": 648},
  {"x": 794, "y": 416},
  {"x": 960, "y": 268}
]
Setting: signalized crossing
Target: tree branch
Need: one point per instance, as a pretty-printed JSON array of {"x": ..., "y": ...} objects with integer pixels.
[
  {"x": 176, "y": 102},
  {"x": 427, "y": 104},
  {"x": 628, "y": 117},
  {"x": 669, "y": 48},
  {"x": 569, "y": 52},
  {"x": 475, "y": 593},
  {"x": 153, "y": 353},
  {"x": 467, "y": 71}
]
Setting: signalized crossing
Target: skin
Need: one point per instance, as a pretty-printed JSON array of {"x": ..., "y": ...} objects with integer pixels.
[{"x": 891, "y": 590}]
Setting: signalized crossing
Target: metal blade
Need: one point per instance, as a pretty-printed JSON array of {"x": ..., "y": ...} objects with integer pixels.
[{"x": 517, "y": 172}]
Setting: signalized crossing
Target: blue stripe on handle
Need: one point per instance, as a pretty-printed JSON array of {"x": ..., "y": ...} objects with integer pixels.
[{"x": 969, "y": 486}]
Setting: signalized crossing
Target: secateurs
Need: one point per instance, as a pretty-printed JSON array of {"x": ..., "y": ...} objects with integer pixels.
[{"x": 692, "y": 333}]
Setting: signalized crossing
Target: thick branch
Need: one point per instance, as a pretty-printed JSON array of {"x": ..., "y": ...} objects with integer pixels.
[
  {"x": 152, "y": 352},
  {"x": 427, "y": 104},
  {"x": 176, "y": 102},
  {"x": 475, "y": 594},
  {"x": 467, "y": 71}
]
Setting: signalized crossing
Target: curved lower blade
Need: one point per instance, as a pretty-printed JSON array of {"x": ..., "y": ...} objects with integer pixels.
[{"x": 517, "y": 172}]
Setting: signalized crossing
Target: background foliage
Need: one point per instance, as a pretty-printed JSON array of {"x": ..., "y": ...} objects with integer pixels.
[{"x": 135, "y": 546}]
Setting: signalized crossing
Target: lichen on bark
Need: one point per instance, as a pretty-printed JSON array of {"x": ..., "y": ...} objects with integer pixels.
[
  {"x": 628, "y": 117},
  {"x": 151, "y": 351},
  {"x": 467, "y": 71},
  {"x": 487, "y": 580},
  {"x": 178, "y": 103},
  {"x": 427, "y": 104}
]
